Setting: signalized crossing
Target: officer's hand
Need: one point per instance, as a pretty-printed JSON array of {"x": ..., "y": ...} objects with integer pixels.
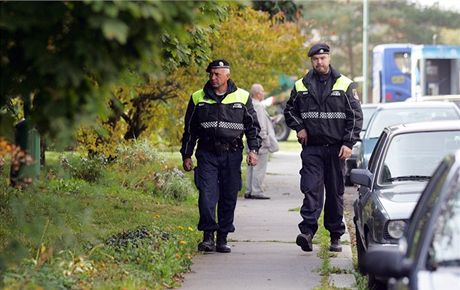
[
  {"x": 302, "y": 137},
  {"x": 345, "y": 152},
  {"x": 188, "y": 164},
  {"x": 252, "y": 159}
]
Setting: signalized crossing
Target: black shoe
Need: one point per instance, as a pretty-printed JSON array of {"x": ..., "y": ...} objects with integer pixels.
[
  {"x": 259, "y": 196},
  {"x": 247, "y": 195},
  {"x": 221, "y": 243},
  {"x": 207, "y": 245},
  {"x": 304, "y": 241},
  {"x": 335, "y": 245}
]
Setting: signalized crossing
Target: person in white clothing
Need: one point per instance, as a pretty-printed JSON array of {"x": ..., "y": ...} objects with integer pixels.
[{"x": 256, "y": 174}]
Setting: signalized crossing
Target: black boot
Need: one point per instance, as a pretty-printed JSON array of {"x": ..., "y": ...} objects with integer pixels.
[
  {"x": 335, "y": 245},
  {"x": 221, "y": 243},
  {"x": 207, "y": 245}
]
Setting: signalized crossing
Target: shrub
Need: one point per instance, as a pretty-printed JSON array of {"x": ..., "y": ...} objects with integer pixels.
[
  {"x": 89, "y": 169},
  {"x": 137, "y": 153}
]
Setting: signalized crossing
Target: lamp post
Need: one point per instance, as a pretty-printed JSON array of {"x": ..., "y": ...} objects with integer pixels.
[{"x": 365, "y": 49}]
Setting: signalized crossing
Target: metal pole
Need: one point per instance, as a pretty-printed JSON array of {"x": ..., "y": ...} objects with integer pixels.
[{"x": 365, "y": 49}]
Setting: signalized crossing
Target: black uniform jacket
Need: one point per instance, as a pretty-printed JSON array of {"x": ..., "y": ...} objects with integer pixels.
[
  {"x": 217, "y": 120},
  {"x": 333, "y": 118}
]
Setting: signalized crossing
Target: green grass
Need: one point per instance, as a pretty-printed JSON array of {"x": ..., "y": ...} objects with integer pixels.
[{"x": 55, "y": 233}]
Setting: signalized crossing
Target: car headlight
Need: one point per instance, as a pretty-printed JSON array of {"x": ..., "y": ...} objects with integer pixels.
[{"x": 395, "y": 229}]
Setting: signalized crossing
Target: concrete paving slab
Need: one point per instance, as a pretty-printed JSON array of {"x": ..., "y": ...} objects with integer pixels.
[
  {"x": 264, "y": 254},
  {"x": 260, "y": 265},
  {"x": 342, "y": 281}
]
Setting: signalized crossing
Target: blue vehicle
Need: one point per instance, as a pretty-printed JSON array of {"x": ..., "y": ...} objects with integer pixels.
[
  {"x": 391, "y": 72},
  {"x": 416, "y": 72}
]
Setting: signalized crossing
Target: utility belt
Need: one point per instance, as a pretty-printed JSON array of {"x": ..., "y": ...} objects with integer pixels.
[{"x": 218, "y": 146}]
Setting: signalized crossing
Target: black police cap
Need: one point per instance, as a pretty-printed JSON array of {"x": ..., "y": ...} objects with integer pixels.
[
  {"x": 319, "y": 48},
  {"x": 218, "y": 63}
]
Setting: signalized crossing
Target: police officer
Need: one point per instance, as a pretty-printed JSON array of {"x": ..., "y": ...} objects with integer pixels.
[
  {"x": 217, "y": 117},
  {"x": 324, "y": 110}
]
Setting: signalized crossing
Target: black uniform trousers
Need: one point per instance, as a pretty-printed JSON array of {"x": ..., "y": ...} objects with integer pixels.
[
  {"x": 218, "y": 179},
  {"x": 322, "y": 168}
]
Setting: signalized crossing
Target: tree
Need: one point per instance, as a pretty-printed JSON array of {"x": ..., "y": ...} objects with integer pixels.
[
  {"x": 259, "y": 49},
  {"x": 63, "y": 58},
  {"x": 287, "y": 9}
]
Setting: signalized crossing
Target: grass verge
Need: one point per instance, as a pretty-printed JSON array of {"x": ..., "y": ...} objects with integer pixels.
[{"x": 90, "y": 223}]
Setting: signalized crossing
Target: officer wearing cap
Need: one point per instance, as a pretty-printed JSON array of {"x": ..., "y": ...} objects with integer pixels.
[
  {"x": 217, "y": 117},
  {"x": 324, "y": 110}
]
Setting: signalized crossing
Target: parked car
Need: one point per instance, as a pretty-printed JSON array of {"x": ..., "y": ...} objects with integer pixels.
[
  {"x": 398, "y": 113},
  {"x": 400, "y": 166},
  {"x": 350, "y": 163},
  {"x": 428, "y": 255}
]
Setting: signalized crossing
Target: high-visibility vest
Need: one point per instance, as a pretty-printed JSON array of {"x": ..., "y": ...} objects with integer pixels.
[
  {"x": 238, "y": 96},
  {"x": 341, "y": 84}
]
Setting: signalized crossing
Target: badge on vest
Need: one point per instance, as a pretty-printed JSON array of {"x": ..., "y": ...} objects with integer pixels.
[
  {"x": 200, "y": 104},
  {"x": 335, "y": 93},
  {"x": 237, "y": 106}
]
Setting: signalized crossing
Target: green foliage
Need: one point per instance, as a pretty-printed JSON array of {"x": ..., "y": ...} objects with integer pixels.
[
  {"x": 160, "y": 180},
  {"x": 259, "y": 49},
  {"x": 88, "y": 169},
  {"x": 55, "y": 234},
  {"x": 287, "y": 10},
  {"x": 62, "y": 58}
]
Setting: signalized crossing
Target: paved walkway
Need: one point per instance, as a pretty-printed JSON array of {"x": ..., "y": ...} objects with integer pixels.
[{"x": 264, "y": 254}]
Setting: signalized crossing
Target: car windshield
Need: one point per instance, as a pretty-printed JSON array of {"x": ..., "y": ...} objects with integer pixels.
[
  {"x": 367, "y": 114},
  {"x": 445, "y": 248},
  {"x": 387, "y": 117},
  {"x": 414, "y": 156}
]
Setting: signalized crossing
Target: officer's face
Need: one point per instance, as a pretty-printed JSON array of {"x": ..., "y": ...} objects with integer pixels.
[
  {"x": 219, "y": 77},
  {"x": 320, "y": 63}
]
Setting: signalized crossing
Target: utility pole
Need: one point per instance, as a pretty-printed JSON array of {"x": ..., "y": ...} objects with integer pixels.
[{"x": 365, "y": 49}]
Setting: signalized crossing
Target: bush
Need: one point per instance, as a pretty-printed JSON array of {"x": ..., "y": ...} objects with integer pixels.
[
  {"x": 89, "y": 169},
  {"x": 173, "y": 184},
  {"x": 137, "y": 153}
]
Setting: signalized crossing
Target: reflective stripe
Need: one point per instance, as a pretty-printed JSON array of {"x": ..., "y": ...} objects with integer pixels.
[
  {"x": 300, "y": 87},
  {"x": 207, "y": 125},
  {"x": 342, "y": 84},
  {"x": 225, "y": 125},
  {"x": 323, "y": 115},
  {"x": 238, "y": 96},
  {"x": 233, "y": 126}
]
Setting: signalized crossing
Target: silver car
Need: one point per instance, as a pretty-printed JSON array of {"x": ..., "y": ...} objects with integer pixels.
[{"x": 399, "y": 113}]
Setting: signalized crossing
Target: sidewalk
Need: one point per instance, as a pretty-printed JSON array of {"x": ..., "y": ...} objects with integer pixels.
[{"x": 264, "y": 254}]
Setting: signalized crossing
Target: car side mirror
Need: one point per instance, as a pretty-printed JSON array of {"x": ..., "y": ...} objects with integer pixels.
[
  {"x": 362, "y": 177},
  {"x": 386, "y": 262}
]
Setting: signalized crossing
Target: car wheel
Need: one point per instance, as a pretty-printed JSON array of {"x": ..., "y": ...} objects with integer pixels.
[{"x": 372, "y": 282}]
